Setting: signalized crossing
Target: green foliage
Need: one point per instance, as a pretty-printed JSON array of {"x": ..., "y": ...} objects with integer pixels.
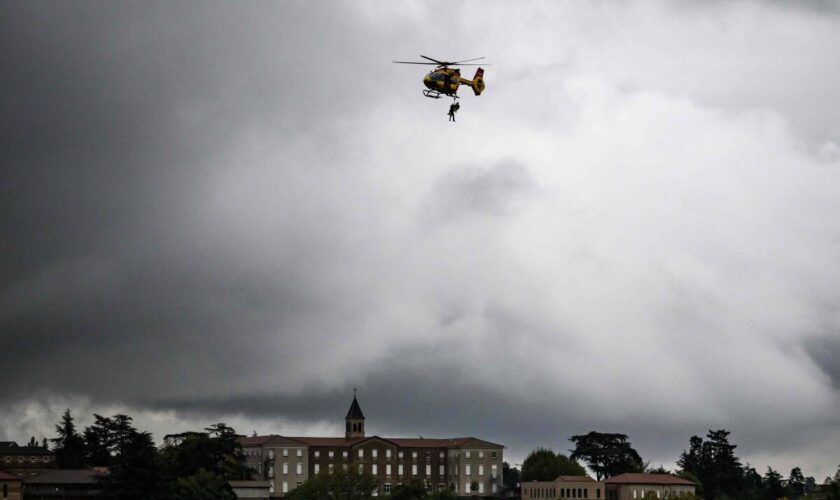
[
  {"x": 199, "y": 486},
  {"x": 607, "y": 454},
  {"x": 413, "y": 490},
  {"x": 543, "y": 465},
  {"x": 339, "y": 485},
  {"x": 714, "y": 463},
  {"x": 69, "y": 447},
  {"x": 511, "y": 478}
]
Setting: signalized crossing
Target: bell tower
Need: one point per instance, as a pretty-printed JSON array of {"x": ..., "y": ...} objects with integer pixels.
[{"x": 355, "y": 420}]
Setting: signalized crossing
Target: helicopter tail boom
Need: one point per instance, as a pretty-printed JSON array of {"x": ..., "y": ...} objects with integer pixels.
[{"x": 477, "y": 82}]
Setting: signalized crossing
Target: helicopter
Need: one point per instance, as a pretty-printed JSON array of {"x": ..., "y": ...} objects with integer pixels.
[{"x": 444, "y": 80}]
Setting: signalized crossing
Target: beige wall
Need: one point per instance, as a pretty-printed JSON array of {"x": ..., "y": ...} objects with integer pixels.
[
  {"x": 296, "y": 460},
  {"x": 626, "y": 491},
  {"x": 537, "y": 490},
  {"x": 476, "y": 465},
  {"x": 12, "y": 490}
]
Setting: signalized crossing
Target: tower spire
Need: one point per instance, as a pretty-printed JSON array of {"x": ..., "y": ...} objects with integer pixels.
[{"x": 354, "y": 420}]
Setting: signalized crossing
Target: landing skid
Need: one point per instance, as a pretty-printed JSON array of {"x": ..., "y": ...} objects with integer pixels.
[{"x": 434, "y": 94}]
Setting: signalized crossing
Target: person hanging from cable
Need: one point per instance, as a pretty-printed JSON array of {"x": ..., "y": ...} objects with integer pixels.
[{"x": 453, "y": 108}]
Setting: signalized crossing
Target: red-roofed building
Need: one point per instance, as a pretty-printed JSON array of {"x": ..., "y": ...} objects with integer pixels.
[
  {"x": 10, "y": 486},
  {"x": 636, "y": 486},
  {"x": 469, "y": 466}
]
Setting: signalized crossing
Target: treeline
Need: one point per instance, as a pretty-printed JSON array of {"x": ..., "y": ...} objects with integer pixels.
[
  {"x": 187, "y": 466},
  {"x": 710, "y": 463}
]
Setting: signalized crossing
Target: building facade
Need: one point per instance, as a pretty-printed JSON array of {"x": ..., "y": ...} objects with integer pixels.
[
  {"x": 469, "y": 466},
  {"x": 10, "y": 486},
  {"x": 25, "y": 461},
  {"x": 621, "y": 487}
]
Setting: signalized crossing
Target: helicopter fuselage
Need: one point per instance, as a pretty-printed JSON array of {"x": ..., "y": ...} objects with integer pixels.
[{"x": 445, "y": 81}]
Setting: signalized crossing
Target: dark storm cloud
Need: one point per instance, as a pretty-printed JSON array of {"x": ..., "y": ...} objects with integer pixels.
[
  {"x": 825, "y": 351},
  {"x": 114, "y": 117},
  {"x": 212, "y": 209}
]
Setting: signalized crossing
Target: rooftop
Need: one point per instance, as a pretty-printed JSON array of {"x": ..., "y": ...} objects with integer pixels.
[{"x": 633, "y": 478}]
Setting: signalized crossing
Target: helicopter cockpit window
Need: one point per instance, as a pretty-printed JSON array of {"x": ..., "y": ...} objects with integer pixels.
[{"x": 437, "y": 76}]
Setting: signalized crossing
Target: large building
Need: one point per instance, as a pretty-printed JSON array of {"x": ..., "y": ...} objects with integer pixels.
[
  {"x": 25, "y": 461},
  {"x": 469, "y": 466},
  {"x": 621, "y": 487}
]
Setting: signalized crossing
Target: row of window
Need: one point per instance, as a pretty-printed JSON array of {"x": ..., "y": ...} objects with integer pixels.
[
  {"x": 374, "y": 469},
  {"x": 562, "y": 493},
  {"x": 387, "y": 487},
  {"x": 21, "y": 459},
  {"x": 375, "y": 454}
]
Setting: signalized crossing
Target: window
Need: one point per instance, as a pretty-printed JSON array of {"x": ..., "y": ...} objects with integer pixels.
[
  {"x": 271, "y": 486},
  {"x": 297, "y": 484},
  {"x": 285, "y": 452},
  {"x": 493, "y": 454},
  {"x": 428, "y": 455},
  {"x": 441, "y": 455},
  {"x": 317, "y": 454},
  {"x": 400, "y": 455},
  {"x": 480, "y": 454},
  {"x": 331, "y": 468},
  {"x": 480, "y": 470},
  {"x": 344, "y": 454},
  {"x": 387, "y": 488},
  {"x": 374, "y": 469},
  {"x": 374, "y": 453},
  {"x": 467, "y": 454},
  {"x": 285, "y": 468},
  {"x": 400, "y": 469},
  {"x": 361, "y": 468},
  {"x": 285, "y": 487},
  {"x": 428, "y": 469},
  {"x": 387, "y": 469},
  {"x": 299, "y": 452},
  {"x": 481, "y": 487},
  {"x": 428, "y": 487},
  {"x": 317, "y": 469},
  {"x": 441, "y": 470},
  {"x": 494, "y": 471},
  {"x": 413, "y": 469},
  {"x": 467, "y": 488},
  {"x": 331, "y": 454},
  {"x": 467, "y": 470},
  {"x": 299, "y": 469},
  {"x": 361, "y": 453},
  {"x": 388, "y": 453},
  {"x": 414, "y": 455}
]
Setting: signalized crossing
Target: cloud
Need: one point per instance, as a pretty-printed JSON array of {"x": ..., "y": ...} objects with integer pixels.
[{"x": 241, "y": 212}]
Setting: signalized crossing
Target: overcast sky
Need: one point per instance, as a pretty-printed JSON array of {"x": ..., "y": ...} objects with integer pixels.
[{"x": 240, "y": 211}]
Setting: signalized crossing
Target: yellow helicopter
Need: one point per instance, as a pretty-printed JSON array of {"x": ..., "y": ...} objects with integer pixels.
[{"x": 444, "y": 80}]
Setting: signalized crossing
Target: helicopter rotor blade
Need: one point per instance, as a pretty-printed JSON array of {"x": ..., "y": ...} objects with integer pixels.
[
  {"x": 467, "y": 60},
  {"x": 414, "y": 62},
  {"x": 435, "y": 60}
]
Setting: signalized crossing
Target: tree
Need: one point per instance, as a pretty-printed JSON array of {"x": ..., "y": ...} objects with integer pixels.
[
  {"x": 543, "y": 465},
  {"x": 795, "y": 486},
  {"x": 714, "y": 463},
  {"x": 338, "y": 485},
  {"x": 773, "y": 485},
  {"x": 69, "y": 446},
  {"x": 511, "y": 478},
  {"x": 134, "y": 472},
  {"x": 200, "y": 486},
  {"x": 606, "y": 454}
]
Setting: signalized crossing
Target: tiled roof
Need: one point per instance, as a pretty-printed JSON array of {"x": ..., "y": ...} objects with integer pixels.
[
  {"x": 5, "y": 476},
  {"x": 65, "y": 476},
  {"x": 25, "y": 450},
  {"x": 633, "y": 478},
  {"x": 340, "y": 441},
  {"x": 328, "y": 441},
  {"x": 576, "y": 479}
]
